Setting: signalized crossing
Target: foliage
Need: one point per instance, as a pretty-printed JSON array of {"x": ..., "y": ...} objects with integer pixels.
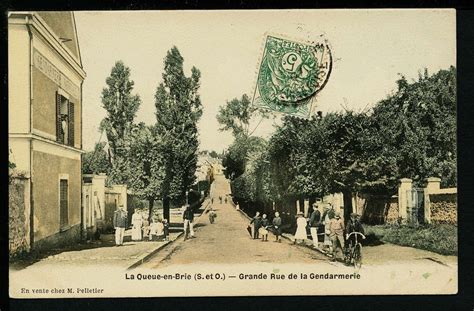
[
  {"x": 214, "y": 154},
  {"x": 243, "y": 149},
  {"x": 178, "y": 109},
  {"x": 237, "y": 116},
  {"x": 121, "y": 107},
  {"x": 410, "y": 134},
  {"x": 146, "y": 163},
  {"x": 96, "y": 161},
  {"x": 417, "y": 125}
]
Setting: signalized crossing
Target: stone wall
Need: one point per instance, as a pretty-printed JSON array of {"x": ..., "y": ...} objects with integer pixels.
[
  {"x": 444, "y": 208},
  {"x": 391, "y": 212},
  {"x": 19, "y": 222}
]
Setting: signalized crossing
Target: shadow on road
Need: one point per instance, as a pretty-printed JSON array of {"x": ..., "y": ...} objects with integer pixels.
[{"x": 23, "y": 261}]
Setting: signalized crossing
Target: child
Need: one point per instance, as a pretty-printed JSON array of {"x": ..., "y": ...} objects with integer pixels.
[{"x": 263, "y": 231}]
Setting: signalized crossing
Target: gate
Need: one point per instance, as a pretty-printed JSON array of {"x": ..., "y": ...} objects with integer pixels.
[{"x": 415, "y": 206}]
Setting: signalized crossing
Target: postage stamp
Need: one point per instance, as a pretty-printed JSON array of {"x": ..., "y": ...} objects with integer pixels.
[{"x": 290, "y": 74}]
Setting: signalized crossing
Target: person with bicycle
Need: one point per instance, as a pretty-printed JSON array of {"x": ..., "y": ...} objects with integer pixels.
[
  {"x": 353, "y": 225},
  {"x": 353, "y": 251}
]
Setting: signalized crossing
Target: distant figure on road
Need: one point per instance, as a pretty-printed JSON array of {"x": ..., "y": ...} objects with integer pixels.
[
  {"x": 314, "y": 222},
  {"x": 300, "y": 234},
  {"x": 237, "y": 207},
  {"x": 336, "y": 227},
  {"x": 277, "y": 227},
  {"x": 263, "y": 228},
  {"x": 212, "y": 200},
  {"x": 188, "y": 218},
  {"x": 120, "y": 223},
  {"x": 137, "y": 223},
  {"x": 220, "y": 199},
  {"x": 256, "y": 221},
  {"x": 225, "y": 200},
  {"x": 212, "y": 216}
]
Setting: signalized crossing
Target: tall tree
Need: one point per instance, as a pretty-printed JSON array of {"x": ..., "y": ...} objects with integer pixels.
[
  {"x": 238, "y": 115},
  {"x": 121, "y": 107},
  {"x": 178, "y": 109},
  {"x": 242, "y": 119}
]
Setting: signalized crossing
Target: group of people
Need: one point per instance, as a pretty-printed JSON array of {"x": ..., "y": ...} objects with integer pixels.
[
  {"x": 221, "y": 199},
  {"x": 331, "y": 226},
  {"x": 260, "y": 226},
  {"x": 141, "y": 228}
]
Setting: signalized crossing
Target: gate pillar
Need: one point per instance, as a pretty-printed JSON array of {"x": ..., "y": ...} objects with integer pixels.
[{"x": 403, "y": 188}]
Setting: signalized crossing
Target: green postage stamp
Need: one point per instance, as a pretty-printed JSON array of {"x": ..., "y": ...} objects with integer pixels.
[{"x": 290, "y": 74}]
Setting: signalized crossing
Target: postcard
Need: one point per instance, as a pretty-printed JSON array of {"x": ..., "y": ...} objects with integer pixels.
[{"x": 232, "y": 153}]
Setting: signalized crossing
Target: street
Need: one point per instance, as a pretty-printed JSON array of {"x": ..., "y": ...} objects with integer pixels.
[{"x": 227, "y": 241}]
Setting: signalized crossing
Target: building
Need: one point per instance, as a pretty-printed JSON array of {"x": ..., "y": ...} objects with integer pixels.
[
  {"x": 99, "y": 202},
  {"x": 45, "y": 122}
]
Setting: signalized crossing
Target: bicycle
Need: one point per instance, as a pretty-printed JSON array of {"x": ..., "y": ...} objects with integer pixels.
[{"x": 353, "y": 254}]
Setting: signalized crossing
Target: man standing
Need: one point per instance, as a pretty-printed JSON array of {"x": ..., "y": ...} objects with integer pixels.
[
  {"x": 120, "y": 223},
  {"x": 256, "y": 221},
  {"x": 188, "y": 218},
  {"x": 336, "y": 227},
  {"x": 314, "y": 221}
]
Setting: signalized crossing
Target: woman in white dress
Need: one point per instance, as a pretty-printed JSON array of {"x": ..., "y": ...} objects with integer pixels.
[
  {"x": 301, "y": 223},
  {"x": 137, "y": 223}
]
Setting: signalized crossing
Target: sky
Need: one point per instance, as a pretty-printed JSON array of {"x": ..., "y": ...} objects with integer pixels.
[{"x": 370, "y": 49}]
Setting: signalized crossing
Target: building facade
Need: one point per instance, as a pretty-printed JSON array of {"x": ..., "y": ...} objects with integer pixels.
[{"x": 45, "y": 121}]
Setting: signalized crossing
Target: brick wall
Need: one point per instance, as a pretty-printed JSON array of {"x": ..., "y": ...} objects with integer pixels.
[{"x": 443, "y": 208}]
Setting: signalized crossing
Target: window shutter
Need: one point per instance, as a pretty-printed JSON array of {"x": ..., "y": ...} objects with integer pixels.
[
  {"x": 63, "y": 203},
  {"x": 59, "y": 136},
  {"x": 71, "y": 124}
]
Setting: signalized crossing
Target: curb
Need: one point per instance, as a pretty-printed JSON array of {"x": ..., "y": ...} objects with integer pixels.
[{"x": 153, "y": 252}]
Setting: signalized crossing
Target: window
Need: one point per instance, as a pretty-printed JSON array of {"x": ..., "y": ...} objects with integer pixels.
[
  {"x": 63, "y": 203},
  {"x": 64, "y": 120}
]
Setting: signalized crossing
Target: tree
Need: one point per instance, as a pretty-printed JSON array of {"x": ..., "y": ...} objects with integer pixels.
[
  {"x": 178, "y": 109},
  {"x": 121, "y": 107},
  {"x": 146, "y": 160},
  {"x": 96, "y": 161},
  {"x": 417, "y": 125},
  {"x": 237, "y": 116}
]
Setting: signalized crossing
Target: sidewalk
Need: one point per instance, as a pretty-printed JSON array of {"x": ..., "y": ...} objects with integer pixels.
[{"x": 105, "y": 253}]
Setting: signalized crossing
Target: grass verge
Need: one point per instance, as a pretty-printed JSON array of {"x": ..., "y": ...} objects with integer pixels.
[{"x": 442, "y": 239}]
